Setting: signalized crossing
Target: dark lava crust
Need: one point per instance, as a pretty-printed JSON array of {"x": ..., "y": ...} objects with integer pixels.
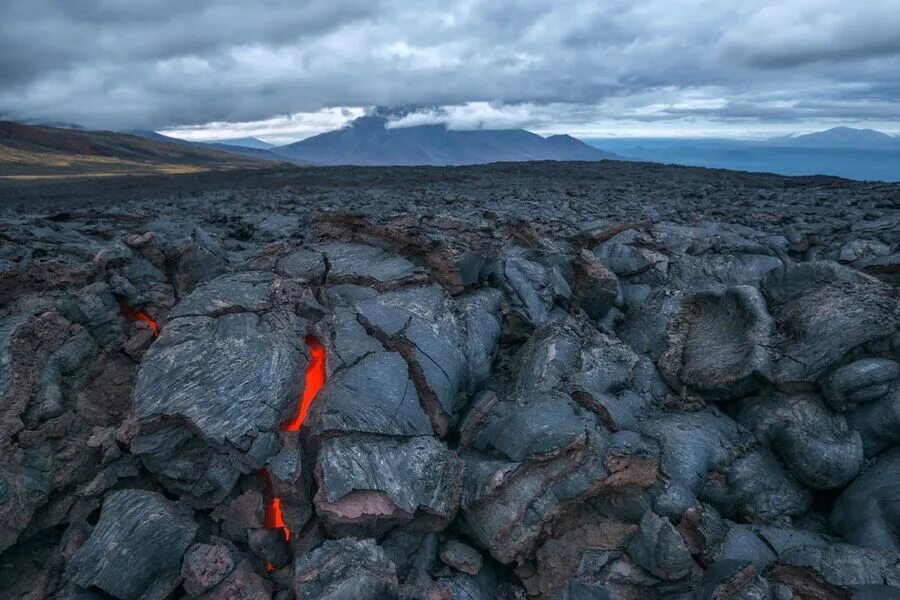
[{"x": 546, "y": 380}]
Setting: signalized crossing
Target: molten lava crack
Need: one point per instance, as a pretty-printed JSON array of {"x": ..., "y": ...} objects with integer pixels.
[
  {"x": 138, "y": 315},
  {"x": 313, "y": 381}
]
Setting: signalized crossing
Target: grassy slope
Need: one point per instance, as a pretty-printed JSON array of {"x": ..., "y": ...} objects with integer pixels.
[{"x": 43, "y": 152}]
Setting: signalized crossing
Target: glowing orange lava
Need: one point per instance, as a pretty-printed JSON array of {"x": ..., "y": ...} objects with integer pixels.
[
  {"x": 269, "y": 567},
  {"x": 138, "y": 315},
  {"x": 274, "y": 520},
  {"x": 315, "y": 379},
  {"x": 272, "y": 517}
]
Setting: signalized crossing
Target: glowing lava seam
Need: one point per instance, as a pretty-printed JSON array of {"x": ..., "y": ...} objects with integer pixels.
[
  {"x": 138, "y": 315},
  {"x": 313, "y": 381}
]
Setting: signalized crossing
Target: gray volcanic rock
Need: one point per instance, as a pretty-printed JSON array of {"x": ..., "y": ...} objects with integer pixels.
[
  {"x": 135, "y": 551},
  {"x": 533, "y": 290},
  {"x": 815, "y": 444},
  {"x": 201, "y": 260},
  {"x": 344, "y": 569},
  {"x": 836, "y": 568},
  {"x": 867, "y": 513},
  {"x": 763, "y": 499},
  {"x": 659, "y": 548},
  {"x": 823, "y": 311},
  {"x": 461, "y": 557},
  {"x": 691, "y": 444},
  {"x": 212, "y": 391},
  {"x": 720, "y": 343},
  {"x": 541, "y": 450},
  {"x": 360, "y": 264},
  {"x": 878, "y": 422},
  {"x": 373, "y": 395},
  {"x": 517, "y": 364},
  {"x": 366, "y": 480},
  {"x": 728, "y": 579},
  {"x": 860, "y": 382}
]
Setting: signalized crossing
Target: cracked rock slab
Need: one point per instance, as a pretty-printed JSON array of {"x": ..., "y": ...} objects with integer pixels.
[
  {"x": 365, "y": 480},
  {"x": 720, "y": 343},
  {"x": 135, "y": 551}
]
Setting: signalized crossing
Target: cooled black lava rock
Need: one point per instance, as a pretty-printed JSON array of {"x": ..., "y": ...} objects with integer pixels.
[
  {"x": 518, "y": 369},
  {"x": 824, "y": 310},
  {"x": 365, "y": 481},
  {"x": 860, "y": 382},
  {"x": 815, "y": 444},
  {"x": 836, "y": 570},
  {"x": 344, "y": 569},
  {"x": 867, "y": 513},
  {"x": 204, "y": 421},
  {"x": 720, "y": 343},
  {"x": 135, "y": 551},
  {"x": 691, "y": 444},
  {"x": 659, "y": 548},
  {"x": 212, "y": 390}
]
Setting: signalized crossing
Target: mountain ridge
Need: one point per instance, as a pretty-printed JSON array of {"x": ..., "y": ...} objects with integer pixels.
[
  {"x": 369, "y": 141},
  {"x": 28, "y": 151}
]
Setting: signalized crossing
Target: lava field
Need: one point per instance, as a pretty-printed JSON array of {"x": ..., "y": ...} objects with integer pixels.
[{"x": 512, "y": 381}]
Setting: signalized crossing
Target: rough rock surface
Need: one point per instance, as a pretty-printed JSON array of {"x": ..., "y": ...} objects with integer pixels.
[
  {"x": 135, "y": 551},
  {"x": 551, "y": 381}
]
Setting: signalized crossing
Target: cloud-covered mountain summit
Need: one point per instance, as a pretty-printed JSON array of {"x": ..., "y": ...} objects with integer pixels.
[{"x": 369, "y": 141}]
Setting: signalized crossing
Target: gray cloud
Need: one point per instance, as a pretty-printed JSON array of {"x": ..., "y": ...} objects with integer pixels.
[{"x": 168, "y": 63}]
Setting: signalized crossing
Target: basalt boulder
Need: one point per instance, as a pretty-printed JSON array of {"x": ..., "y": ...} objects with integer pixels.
[
  {"x": 345, "y": 568},
  {"x": 136, "y": 548},
  {"x": 720, "y": 343},
  {"x": 815, "y": 444},
  {"x": 212, "y": 391},
  {"x": 837, "y": 571},
  {"x": 867, "y": 513},
  {"x": 369, "y": 483},
  {"x": 691, "y": 444},
  {"x": 823, "y": 311}
]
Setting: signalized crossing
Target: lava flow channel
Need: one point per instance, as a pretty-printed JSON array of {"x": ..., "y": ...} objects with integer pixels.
[
  {"x": 313, "y": 381},
  {"x": 138, "y": 315}
]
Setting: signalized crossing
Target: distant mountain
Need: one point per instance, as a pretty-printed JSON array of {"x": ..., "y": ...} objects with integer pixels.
[
  {"x": 245, "y": 142},
  {"x": 368, "y": 141},
  {"x": 50, "y": 123},
  {"x": 862, "y": 154},
  {"x": 29, "y": 152},
  {"x": 221, "y": 146},
  {"x": 840, "y": 137}
]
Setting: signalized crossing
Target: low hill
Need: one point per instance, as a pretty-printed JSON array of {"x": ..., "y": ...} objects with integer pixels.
[
  {"x": 36, "y": 152},
  {"x": 246, "y": 142},
  {"x": 368, "y": 141},
  {"x": 229, "y": 146},
  {"x": 841, "y": 137}
]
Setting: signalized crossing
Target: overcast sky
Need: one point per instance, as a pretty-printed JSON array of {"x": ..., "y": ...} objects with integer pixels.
[{"x": 286, "y": 69}]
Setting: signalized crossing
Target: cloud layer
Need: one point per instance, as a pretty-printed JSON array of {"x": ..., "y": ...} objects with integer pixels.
[{"x": 295, "y": 68}]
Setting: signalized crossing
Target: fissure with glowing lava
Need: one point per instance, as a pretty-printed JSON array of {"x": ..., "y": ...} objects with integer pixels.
[
  {"x": 131, "y": 314},
  {"x": 314, "y": 379}
]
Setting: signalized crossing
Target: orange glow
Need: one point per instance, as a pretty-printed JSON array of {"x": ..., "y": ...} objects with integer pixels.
[
  {"x": 312, "y": 383},
  {"x": 272, "y": 517},
  {"x": 274, "y": 520},
  {"x": 269, "y": 567},
  {"x": 138, "y": 315}
]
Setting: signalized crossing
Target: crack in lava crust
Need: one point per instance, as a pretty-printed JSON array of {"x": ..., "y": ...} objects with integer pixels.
[
  {"x": 313, "y": 381},
  {"x": 131, "y": 314}
]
